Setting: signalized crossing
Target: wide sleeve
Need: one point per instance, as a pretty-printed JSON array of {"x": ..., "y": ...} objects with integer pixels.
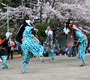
[
  {"x": 81, "y": 39},
  {"x": 80, "y": 36}
]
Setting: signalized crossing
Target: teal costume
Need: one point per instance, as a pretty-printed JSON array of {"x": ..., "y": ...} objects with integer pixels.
[
  {"x": 4, "y": 64},
  {"x": 3, "y": 53},
  {"x": 29, "y": 45},
  {"x": 82, "y": 45}
]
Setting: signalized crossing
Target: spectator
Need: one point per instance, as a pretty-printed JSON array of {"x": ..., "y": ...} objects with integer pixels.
[{"x": 88, "y": 49}]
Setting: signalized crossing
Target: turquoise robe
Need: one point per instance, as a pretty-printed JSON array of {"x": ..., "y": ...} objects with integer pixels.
[
  {"x": 29, "y": 45},
  {"x": 82, "y": 45}
]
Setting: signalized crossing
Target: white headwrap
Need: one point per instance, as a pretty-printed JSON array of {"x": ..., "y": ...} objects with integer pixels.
[
  {"x": 66, "y": 30},
  {"x": 49, "y": 32},
  {"x": 8, "y": 34},
  {"x": 28, "y": 22}
]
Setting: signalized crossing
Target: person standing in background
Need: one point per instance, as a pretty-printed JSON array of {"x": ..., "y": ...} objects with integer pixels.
[{"x": 49, "y": 43}]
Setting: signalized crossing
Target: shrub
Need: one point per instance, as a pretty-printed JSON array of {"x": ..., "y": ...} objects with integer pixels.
[{"x": 41, "y": 34}]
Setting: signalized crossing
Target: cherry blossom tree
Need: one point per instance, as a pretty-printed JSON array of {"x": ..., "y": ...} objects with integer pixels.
[{"x": 61, "y": 10}]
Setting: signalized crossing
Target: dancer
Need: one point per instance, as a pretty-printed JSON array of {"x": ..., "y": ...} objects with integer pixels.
[
  {"x": 82, "y": 42},
  {"x": 21, "y": 29},
  {"x": 49, "y": 43},
  {"x": 29, "y": 45},
  {"x": 3, "y": 52},
  {"x": 19, "y": 35}
]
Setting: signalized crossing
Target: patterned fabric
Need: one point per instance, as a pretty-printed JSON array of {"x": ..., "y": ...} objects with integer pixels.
[
  {"x": 79, "y": 36},
  {"x": 29, "y": 45},
  {"x": 4, "y": 64},
  {"x": 35, "y": 39},
  {"x": 81, "y": 50},
  {"x": 82, "y": 45}
]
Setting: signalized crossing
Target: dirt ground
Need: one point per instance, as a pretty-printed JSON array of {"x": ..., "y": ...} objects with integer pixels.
[{"x": 64, "y": 68}]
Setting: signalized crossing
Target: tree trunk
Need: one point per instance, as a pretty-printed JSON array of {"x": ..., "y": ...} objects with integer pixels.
[{"x": 53, "y": 2}]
